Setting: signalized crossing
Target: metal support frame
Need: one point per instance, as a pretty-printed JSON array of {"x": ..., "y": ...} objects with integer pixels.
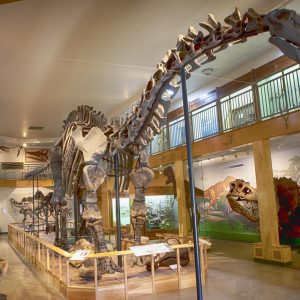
[
  {"x": 118, "y": 216},
  {"x": 38, "y": 212},
  {"x": 75, "y": 198},
  {"x": 191, "y": 183},
  {"x": 32, "y": 204}
]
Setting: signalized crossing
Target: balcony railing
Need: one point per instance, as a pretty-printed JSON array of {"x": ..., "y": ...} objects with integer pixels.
[
  {"x": 17, "y": 170},
  {"x": 275, "y": 95}
]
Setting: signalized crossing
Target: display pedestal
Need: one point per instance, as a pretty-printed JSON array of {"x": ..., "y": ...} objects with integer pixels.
[
  {"x": 281, "y": 254},
  {"x": 53, "y": 264}
]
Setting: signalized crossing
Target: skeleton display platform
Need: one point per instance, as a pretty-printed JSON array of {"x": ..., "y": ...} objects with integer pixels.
[{"x": 132, "y": 282}]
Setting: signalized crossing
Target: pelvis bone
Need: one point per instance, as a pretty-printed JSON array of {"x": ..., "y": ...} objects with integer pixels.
[{"x": 95, "y": 142}]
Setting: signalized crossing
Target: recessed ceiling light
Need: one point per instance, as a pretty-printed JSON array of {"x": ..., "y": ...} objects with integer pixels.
[
  {"x": 24, "y": 145},
  {"x": 207, "y": 71}
]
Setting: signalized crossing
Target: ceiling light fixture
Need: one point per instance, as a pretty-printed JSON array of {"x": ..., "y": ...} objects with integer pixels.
[
  {"x": 207, "y": 71},
  {"x": 230, "y": 44},
  {"x": 24, "y": 145}
]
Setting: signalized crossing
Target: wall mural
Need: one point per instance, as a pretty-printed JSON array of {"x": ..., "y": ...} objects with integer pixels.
[
  {"x": 219, "y": 220},
  {"x": 287, "y": 192},
  {"x": 287, "y": 164}
]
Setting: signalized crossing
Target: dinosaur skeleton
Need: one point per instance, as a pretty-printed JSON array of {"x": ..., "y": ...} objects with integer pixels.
[
  {"x": 242, "y": 198},
  {"x": 89, "y": 143},
  {"x": 41, "y": 209}
]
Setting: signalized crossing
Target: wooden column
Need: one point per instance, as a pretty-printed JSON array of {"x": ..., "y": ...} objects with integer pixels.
[
  {"x": 181, "y": 198},
  {"x": 266, "y": 202}
]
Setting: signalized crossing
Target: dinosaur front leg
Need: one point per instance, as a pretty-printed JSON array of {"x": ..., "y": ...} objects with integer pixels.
[{"x": 94, "y": 176}]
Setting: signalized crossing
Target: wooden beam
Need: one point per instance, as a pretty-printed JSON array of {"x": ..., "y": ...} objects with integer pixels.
[
  {"x": 25, "y": 183},
  {"x": 266, "y": 197},
  {"x": 271, "y": 128},
  {"x": 181, "y": 198}
]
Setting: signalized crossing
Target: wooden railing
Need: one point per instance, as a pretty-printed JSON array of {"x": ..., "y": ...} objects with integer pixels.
[{"x": 56, "y": 263}]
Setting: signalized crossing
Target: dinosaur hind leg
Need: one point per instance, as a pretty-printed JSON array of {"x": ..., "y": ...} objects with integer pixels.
[{"x": 140, "y": 177}]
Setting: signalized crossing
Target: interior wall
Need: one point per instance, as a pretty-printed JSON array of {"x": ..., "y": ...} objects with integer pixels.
[
  {"x": 286, "y": 162},
  {"x": 11, "y": 155}
]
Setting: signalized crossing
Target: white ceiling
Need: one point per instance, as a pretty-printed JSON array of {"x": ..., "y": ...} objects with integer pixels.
[{"x": 58, "y": 54}]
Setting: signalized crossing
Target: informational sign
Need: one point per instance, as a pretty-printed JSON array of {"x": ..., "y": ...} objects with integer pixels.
[
  {"x": 173, "y": 267},
  {"x": 80, "y": 255},
  {"x": 204, "y": 242},
  {"x": 151, "y": 249}
]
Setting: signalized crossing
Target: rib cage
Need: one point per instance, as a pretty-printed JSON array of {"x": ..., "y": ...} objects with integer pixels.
[{"x": 72, "y": 158}]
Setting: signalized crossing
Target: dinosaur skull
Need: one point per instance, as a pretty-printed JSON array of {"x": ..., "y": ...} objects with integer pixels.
[
  {"x": 284, "y": 26},
  {"x": 242, "y": 198}
]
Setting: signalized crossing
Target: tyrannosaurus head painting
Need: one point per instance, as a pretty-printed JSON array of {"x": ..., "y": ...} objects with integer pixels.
[{"x": 242, "y": 198}]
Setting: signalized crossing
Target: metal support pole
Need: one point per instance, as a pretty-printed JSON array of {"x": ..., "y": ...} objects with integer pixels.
[
  {"x": 32, "y": 204},
  {"x": 118, "y": 218},
  {"x": 75, "y": 194},
  {"x": 38, "y": 212},
  {"x": 191, "y": 183},
  {"x": 46, "y": 218}
]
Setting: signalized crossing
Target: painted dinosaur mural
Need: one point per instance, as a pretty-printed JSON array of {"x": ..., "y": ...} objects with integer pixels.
[
  {"x": 243, "y": 199},
  {"x": 89, "y": 143}
]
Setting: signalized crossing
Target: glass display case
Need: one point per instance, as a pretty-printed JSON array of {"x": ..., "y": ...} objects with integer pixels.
[
  {"x": 124, "y": 211},
  {"x": 162, "y": 212}
]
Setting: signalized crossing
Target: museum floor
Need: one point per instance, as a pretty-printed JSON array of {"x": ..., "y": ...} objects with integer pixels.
[
  {"x": 228, "y": 278},
  {"x": 21, "y": 282}
]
